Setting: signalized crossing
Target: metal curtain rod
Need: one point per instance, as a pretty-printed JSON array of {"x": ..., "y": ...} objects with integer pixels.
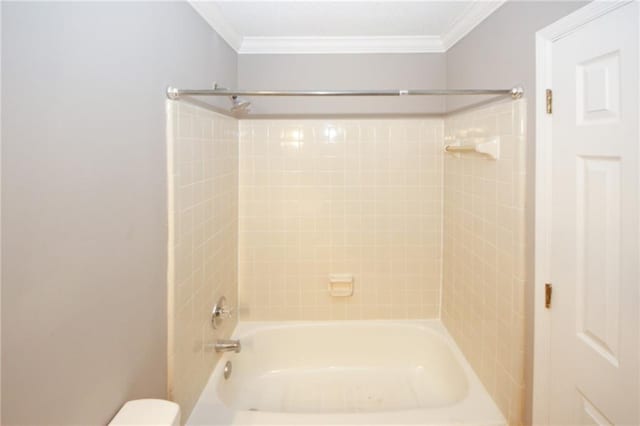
[{"x": 174, "y": 93}]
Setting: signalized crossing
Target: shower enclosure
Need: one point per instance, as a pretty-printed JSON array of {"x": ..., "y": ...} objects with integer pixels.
[{"x": 420, "y": 221}]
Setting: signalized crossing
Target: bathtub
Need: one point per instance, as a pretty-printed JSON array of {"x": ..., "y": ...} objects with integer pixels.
[{"x": 345, "y": 373}]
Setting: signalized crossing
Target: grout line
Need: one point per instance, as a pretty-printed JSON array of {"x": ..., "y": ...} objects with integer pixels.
[{"x": 442, "y": 176}]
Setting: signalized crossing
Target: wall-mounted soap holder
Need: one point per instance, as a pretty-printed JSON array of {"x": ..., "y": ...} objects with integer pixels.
[
  {"x": 341, "y": 285},
  {"x": 489, "y": 148}
]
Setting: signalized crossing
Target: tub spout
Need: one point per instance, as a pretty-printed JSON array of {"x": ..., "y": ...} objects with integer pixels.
[{"x": 223, "y": 345}]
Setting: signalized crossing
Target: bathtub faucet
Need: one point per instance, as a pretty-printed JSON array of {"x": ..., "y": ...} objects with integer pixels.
[{"x": 223, "y": 345}]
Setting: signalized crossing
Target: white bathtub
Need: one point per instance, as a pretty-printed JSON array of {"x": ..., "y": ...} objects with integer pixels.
[{"x": 345, "y": 373}]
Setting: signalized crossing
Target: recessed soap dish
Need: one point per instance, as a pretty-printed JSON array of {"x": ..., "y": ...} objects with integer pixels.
[{"x": 341, "y": 285}]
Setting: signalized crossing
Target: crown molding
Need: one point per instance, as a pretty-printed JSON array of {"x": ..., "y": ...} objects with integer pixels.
[
  {"x": 212, "y": 15},
  {"x": 315, "y": 45},
  {"x": 473, "y": 15}
]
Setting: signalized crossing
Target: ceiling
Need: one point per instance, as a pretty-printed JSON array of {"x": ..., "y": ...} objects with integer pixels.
[{"x": 325, "y": 26}]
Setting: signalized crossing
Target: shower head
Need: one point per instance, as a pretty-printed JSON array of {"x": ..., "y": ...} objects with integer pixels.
[{"x": 239, "y": 106}]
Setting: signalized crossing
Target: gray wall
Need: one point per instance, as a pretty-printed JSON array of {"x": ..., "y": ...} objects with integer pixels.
[
  {"x": 84, "y": 200},
  {"x": 342, "y": 71},
  {"x": 500, "y": 52}
]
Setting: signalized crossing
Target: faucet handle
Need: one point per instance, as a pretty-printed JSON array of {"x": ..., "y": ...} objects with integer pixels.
[
  {"x": 220, "y": 312},
  {"x": 225, "y": 312}
]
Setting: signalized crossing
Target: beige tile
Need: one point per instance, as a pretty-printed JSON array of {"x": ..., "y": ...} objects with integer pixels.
[
  {"x": 203, "y": 187},
  {"x": 347, "y": 201},
  {"x": 375, "y": 198},
  {"x": 484, "y": 259}
]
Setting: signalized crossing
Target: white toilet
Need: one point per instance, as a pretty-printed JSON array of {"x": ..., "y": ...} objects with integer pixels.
[{"x": 156, "y": 412}]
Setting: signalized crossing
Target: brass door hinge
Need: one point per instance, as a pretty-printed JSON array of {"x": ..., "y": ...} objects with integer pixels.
[
  {"x": 549, "y": 101},
  {"x": 548, "y": 289}
]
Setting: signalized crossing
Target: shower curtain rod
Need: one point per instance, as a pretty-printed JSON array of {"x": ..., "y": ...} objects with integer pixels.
[{"x": 174, "y": 93}]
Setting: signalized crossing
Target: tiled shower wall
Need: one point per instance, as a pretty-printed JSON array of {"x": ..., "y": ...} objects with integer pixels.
[
  {"x": 361, "y": 197},
  {"x": 372, "y": 198},
  {"x": 484, "y": 250},
  {"x": 202, "y": 159}
]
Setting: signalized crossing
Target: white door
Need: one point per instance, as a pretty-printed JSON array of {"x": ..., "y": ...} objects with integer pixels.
[{"x": 593, "y": 223}]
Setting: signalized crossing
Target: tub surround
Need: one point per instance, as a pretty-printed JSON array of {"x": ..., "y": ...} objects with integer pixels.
[
  {"x": 424, "y": 234},
  {"x": 484, "y": 250},
  {"x": 321, "y": 197},
  {"x": 203, "y": 210}
]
